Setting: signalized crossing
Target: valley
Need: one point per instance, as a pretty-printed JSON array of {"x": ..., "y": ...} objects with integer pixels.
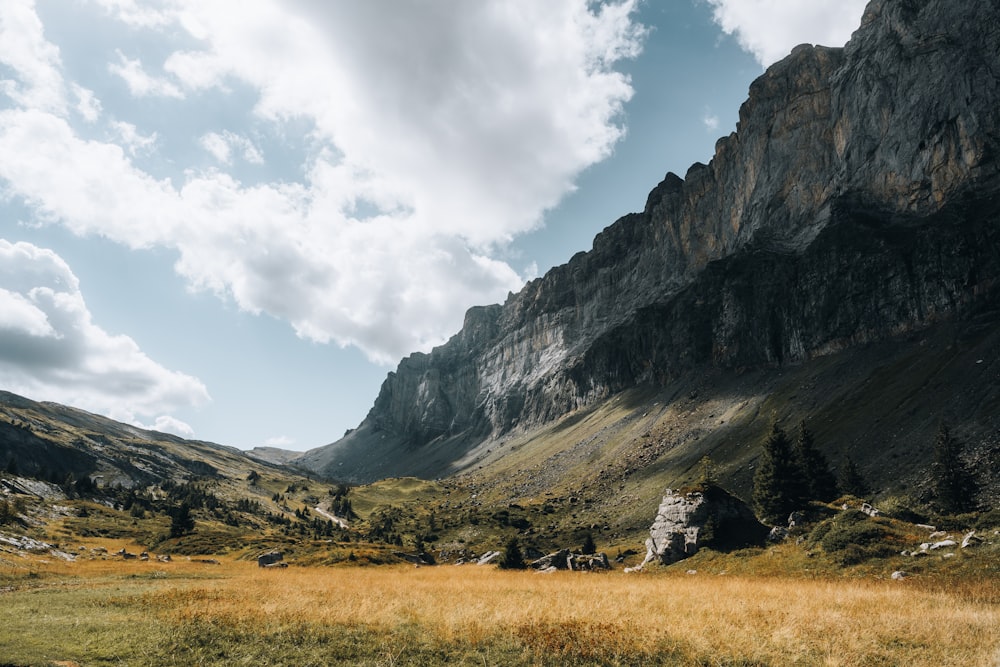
[{"x": 618, "y": 465}]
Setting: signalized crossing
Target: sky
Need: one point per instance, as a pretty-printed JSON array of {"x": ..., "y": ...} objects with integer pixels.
[{"x": 229, "y": 220}]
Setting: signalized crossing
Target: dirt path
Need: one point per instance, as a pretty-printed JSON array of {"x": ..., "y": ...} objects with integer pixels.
[{"x": 336, "y": 519}]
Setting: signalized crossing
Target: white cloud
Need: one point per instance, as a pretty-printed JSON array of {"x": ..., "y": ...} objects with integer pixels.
[
  {"x": 87, "y": 104},
  {"x": 168, "y": 424},
  {"x": 35, "y": 61},
  {"x": 140, "y": 83},
  {"x": 710, "y": 121},
  {"x": 135, "y": 15},
  {"x": 770, "y": 29},
  {"x": 221, "y": 146},
  {"x": 436, "y": 132},
  {"x": 50, "y": 348},
  {"x": 131, "y": 139}
]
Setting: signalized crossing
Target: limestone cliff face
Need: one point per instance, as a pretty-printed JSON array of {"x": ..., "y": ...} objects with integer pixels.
[{"x": 858, "y": 199}]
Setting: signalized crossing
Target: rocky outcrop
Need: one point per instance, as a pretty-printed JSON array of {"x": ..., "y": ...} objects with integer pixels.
[
  {"x": 564, "y": 559},
  {"x": 708, "y": 517},
  {"x": 857, "y": 200}
]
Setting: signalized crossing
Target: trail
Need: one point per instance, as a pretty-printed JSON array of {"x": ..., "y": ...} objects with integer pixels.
[{"x": 336, "y": 519}]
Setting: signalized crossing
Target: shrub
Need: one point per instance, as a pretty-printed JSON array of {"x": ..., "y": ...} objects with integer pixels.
[{"x": 851, "y": 537}]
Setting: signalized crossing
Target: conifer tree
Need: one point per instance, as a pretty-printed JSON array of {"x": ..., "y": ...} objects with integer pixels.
[
  {"x": 952, "y": 483},
  {"x": 588, "y": 545},
  {"x": 512, "y": 557},
  {"x": 852, "y": 481},
  {"x": 182, "y": 522},
  {"x": 818, "y": 479},
  {"x": 778, "y": 487}
]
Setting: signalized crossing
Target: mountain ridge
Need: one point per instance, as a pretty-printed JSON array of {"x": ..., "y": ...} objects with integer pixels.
[{"x": 875, "y": 161}]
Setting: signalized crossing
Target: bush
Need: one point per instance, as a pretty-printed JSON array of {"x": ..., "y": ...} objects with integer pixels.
[
  {"x": 851, "y": 537},
  {"x": 986, "y": 520}
]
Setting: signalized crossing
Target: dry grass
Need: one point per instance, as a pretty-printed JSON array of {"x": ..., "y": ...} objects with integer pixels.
[{"x": 106, "y": 613}]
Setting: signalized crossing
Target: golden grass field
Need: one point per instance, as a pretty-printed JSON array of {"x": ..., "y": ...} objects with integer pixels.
[{"x": 191, "y": 613}]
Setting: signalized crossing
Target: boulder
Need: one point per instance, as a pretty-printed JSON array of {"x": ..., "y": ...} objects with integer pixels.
[
  {"x": 777, "y": 534},
  {"x": 488, "y": 557},
  {"x": 942, "y": 545},
  {"x": 557, "y": 559},
  {"x": 588, "y": 562},
  {"x": 269, "y": 558},
  {"x": 708, "y": 516},
  {"x": 970, "y": 540}
]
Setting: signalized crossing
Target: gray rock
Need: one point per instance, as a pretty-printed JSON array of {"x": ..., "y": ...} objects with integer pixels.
[
  {"x": 269, "y": 558},
  {"x": 899, "y": 574},
  {"x": 589, "y": 562},
  {"x": 943, "y": 544},
  {"x": 686, "y": 522},
  {"x": 557, "y": 559},
  {"x": 488, "y": 558},
  {"x": 971, "y": 540},
  {"x": 777, "y": 534}
]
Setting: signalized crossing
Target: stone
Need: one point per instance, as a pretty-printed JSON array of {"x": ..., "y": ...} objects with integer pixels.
[
  {"x": 943, "y": 544},
  {"x": 777, "y": 534},
  {"x": 970, "y": 540},
  {"x": 899, "y": 574},
  {"x": 269, "y": 558},
  {"x": 589, "y": 562},
  {"x": 488, "y": 558},
  {"x": 710, "y": 516},
  {"x": 557, "y": 559}
]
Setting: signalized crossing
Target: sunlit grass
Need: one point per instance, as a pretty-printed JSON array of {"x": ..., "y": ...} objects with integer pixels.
[{"x": 113, "y": 613}]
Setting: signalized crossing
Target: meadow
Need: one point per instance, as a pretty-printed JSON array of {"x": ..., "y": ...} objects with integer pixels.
[{"x": 109, "y": 612}]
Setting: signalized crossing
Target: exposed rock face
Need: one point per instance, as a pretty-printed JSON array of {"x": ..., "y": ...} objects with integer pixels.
[
  {"x": 685, "y": 522},
  {"x": 857, "y": 200}
]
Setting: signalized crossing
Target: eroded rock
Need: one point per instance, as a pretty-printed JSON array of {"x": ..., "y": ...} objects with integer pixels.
[{"x": 709, "y": 517}]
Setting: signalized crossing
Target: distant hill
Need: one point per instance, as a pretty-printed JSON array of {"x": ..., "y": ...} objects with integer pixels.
[
  {"x": 52, "y": 441},
  {"x": 274, "y": 455},
  {"x": 837, "y": 261}
]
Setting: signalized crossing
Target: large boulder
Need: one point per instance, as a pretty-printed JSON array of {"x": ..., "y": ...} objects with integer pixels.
[{"x": 707, "y": 516}]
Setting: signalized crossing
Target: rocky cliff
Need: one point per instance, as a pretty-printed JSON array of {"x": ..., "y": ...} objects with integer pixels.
[{"x": 857, "y": 200}]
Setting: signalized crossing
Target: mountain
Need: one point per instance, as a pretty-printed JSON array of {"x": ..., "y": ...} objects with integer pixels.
[
  {"x": 52, "y": 441},
  {"x": 836, "y": 261}
]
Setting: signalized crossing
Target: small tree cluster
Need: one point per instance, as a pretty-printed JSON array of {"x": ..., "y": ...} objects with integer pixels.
[
  {"x": 513, "y": 559},
  {"x": 789, "y": 475},
  {"x": 181, "y": 521}
]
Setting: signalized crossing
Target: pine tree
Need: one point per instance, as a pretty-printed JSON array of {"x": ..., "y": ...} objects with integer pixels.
[
  {"x": 588, "y": 545},
  {"x": 182, "y": 522},
  {"x": 778, "y": 487},
  {"x": 512, "y": 557},
  {"x": 952, "y": 483},
  {"x": 818, "y": 478},
  {"x": 852, "y": 481}
]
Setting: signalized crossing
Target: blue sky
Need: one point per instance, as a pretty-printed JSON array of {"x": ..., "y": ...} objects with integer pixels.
[{"x": 229, "y": 220}]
